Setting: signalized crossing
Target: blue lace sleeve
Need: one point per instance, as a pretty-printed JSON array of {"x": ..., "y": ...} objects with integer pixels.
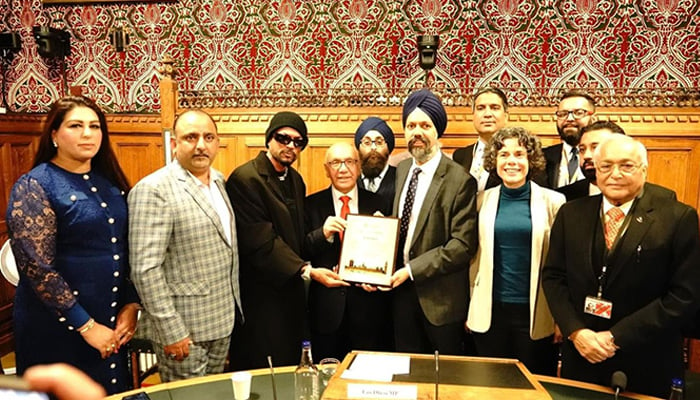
[{"x": 32, "y": 228}]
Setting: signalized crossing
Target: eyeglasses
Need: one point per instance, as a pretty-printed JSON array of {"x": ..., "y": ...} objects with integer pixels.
[
  {"x": 577, "y": 113},
  {"x": 349, "y": 163},
  {"x": 377, "y": 142},
  {"x": 627, "y": 167},
  {"x": 286, "y": 139}
]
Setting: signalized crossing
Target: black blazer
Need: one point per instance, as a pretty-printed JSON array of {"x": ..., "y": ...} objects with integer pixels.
[
  {"x": 552, "y": 156},
  {"x": 653, "y": 277},
  {"x": 387, "y": 188},
  {"x": 327, "y": 306},
  {"x": 270, "y": 240},
  {"x": 464, "y": 157}
]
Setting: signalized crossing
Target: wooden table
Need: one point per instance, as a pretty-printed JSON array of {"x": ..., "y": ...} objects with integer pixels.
[{"x": 485, "y": 378}]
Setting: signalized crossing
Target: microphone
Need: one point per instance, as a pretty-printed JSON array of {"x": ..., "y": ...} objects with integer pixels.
[
  {"x": 618, "y": 382},
  {"x": 437, "y": 373},
  {"x": 272, "y": 376}
]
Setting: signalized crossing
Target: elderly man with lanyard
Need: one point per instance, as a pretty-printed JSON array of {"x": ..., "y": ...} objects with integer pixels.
[{"x": 436, "y": 202}]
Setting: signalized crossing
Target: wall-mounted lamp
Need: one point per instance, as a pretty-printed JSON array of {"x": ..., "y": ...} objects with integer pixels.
[
  {"x": 427, "y": 50},
  {"x": 52, "y": 42},
  {"x": 10, "y": 44},
  {"x": 119, "y": 38}
]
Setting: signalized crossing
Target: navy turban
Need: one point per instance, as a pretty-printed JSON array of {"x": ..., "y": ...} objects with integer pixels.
[
  {"x": 430, "y": 104},
  {"x": 375, "y": 124}
]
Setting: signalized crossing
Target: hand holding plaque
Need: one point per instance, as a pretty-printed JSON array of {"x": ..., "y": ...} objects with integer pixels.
[{"x": 368, "y": 252}]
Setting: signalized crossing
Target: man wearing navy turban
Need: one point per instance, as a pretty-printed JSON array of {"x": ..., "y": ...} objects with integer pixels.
[
  {"x": 436, "y": 202},
  {"x": 374, "y": 140}
]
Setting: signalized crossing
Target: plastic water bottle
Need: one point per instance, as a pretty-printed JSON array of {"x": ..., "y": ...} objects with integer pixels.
[
  {"x": 306, "y": 375},
  {"x": 676, "y": 389}
]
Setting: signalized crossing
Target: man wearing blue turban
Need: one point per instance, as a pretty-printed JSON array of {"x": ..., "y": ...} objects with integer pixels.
[
  {"x": 374, "y": 140},
  {"x": 436, "y": 202}
]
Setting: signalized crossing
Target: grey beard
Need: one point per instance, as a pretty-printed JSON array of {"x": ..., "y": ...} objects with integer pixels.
[{"x": 421, "y": 154}]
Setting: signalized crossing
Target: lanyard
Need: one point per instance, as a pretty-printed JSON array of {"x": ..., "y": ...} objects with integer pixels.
[{"x": 607, "y": 254}]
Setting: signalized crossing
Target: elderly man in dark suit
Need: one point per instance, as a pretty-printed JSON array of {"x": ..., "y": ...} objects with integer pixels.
[
  {"x": 374, "y": 139},
  {"x": 268, "y": 197},
  {"x": 489, "y": 113},
  {"x": 575, "y": 111},
  {"x": 591, "y": 136},
  {"x": 622, "y": 274},
  {"x": 436, "y": 202},
  {"x": 342, "y": 317}
]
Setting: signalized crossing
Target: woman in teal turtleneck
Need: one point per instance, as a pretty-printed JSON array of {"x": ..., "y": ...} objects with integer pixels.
[{"x": 508, "y": 313}]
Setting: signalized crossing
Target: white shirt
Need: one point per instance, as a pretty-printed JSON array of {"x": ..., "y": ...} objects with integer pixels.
[
  {"x": 564, "y": 167},
  {"x": 593, "y": 189},
  {"x": 216, "y": 199},
  {"x": 377, "y": 180},
  {"x": 477, "y": 167},
  {"x": 424, "y": 179},
  {"x": 338, "y": 204}
]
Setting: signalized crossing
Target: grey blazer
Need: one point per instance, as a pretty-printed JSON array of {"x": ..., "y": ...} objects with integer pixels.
[
  {"x": 444, "y": 240},
  {"x": 183, "y": 267}
]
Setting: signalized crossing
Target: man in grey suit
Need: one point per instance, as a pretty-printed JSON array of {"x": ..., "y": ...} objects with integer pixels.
[
  {"x": 184, "y": 254},
  {"x": 436, "y": 202}
]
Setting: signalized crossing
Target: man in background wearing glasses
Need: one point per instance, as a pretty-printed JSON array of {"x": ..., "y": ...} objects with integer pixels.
[
  {"x": 374, "y": 139},
  {"x": 342, "y": 317},
  {"x": 622, "y": 274},
  {"x": 575, "y": 111},
  {"x": 591, "y": 136},
  {"x": 267, "y": 195}
]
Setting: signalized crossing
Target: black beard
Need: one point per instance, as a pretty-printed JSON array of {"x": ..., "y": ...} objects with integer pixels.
[
  {"x": 373, "y": 164},
  {"x": 588, "y": 171},
  {"x": 589, "y": 174},
  {"x": 572, "y": 140}
]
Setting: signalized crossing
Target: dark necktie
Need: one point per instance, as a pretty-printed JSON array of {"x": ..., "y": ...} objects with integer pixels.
[
  {"x": 573, "y": 163},
  {"x": 612, "y": 225},
  {"x": 344, "y": 211},
  {"x": 406, "y": 213}
]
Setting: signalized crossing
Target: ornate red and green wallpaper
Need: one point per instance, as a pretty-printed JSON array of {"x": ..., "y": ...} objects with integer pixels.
[{"x": 253, "y": 47}]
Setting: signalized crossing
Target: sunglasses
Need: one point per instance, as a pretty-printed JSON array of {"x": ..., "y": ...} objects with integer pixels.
[{"x": 286, "y": 139}]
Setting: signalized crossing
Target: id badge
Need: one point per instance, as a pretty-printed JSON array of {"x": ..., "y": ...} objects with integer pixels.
[{"x": 599, "y": 307}]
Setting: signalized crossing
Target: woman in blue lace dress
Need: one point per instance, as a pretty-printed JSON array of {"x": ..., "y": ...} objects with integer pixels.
[{"x": 67, "y": 221}]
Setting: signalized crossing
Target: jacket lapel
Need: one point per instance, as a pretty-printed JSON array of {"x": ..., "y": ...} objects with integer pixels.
[
  {"x": 190, "y": 186},
  {"x": 261, "y": 165},
  {"x": 640, "y": 221},
  {"x": 435, "y": 185}
]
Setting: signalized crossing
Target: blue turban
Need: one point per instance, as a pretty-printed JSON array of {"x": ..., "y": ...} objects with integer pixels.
[
  {"x": 375, "y": 124},
  {"x": 430, "y": 104}
]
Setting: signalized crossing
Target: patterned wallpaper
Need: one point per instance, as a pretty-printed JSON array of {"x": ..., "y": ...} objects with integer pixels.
[{"x": 255, "y": 46}]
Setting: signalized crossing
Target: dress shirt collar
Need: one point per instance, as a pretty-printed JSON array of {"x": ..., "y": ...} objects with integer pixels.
[
  {"x": 625, "y": 207},
  {"x": 428, "y": 168},
  {"x": 337, "y": 194}
]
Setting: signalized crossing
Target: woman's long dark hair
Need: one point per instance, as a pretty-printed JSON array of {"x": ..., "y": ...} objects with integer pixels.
[{"x": 104, "y": 162}]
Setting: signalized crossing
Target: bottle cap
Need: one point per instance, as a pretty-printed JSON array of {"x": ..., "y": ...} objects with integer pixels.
[
  {"x": 677, "y": 382},
  {"x": 306, "y": 343}
]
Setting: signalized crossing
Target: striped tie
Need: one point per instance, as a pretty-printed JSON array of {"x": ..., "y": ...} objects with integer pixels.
[{"x": 612, "y": 225}]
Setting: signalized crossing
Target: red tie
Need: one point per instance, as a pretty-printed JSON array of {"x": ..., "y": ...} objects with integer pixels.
[
  {"x": 344, "y": 210},
  {"x": 612, "y": 225}
]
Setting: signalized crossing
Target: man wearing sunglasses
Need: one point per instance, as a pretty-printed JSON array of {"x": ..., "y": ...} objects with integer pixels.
[
  {"x": 575, "y": 111},
  {"x": 267, "y": 194}
]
